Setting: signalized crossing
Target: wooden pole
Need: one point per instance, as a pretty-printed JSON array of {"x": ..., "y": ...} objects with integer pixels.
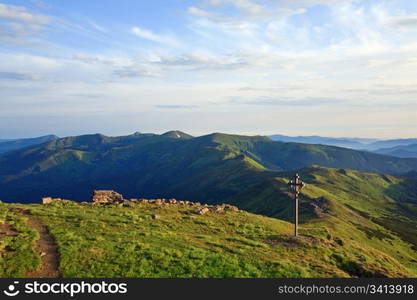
[
  {"x": 296, "y": 213},
  {"x": 296, "y": 185}
]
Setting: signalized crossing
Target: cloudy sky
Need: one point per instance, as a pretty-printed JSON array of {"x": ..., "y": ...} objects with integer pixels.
[{"x": 296, "y": 67}]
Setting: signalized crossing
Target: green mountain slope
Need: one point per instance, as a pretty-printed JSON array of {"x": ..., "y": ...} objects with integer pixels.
[
  {"x": 125, "y": 241},
  {"x": 212, "y": 168}
]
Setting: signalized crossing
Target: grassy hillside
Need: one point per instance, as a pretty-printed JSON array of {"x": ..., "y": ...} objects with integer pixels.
[
  {"x": 378, "y": 206},
  {"x": 124, "y": 241},
  {"x": 353, "y": 224},
  {"x": 211, "y": 169}
]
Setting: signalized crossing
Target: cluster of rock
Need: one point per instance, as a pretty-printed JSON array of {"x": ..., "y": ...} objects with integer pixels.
[
  {"x": 216, "y": 209},
  {"x": 103, "y": 197},
  {"x": 107, "y": 196},
  {"x": 112, "y": 197},
  {"x": 318, "y": 206},
  {"x": 48, "y": 200}
]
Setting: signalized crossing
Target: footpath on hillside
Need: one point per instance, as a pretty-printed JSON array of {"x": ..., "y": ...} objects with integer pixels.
[{"x": 45, "y": 246}]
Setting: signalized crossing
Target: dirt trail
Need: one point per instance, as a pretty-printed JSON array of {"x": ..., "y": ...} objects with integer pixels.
[{"x": 45, "y": 246}]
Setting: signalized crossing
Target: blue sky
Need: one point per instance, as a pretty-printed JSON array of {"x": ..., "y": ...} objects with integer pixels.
[{"x": 296, "y": 67}]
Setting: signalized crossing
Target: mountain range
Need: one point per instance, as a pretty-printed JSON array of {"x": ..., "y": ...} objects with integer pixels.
[
  {"x": 392, "y": 147},
  {"x": 212, "y": 168},
  {"x": 358, "y": 211},
  {"x": 353, "y": 143},
  {"x": 400, "y": 151},
  {"x": 404, "y": 148}
]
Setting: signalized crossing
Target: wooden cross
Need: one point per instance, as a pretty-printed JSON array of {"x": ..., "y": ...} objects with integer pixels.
[{"x": 296, "y": 185}]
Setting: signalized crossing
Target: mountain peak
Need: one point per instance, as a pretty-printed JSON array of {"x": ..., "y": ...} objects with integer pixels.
[{"x": 176, "y": 134}]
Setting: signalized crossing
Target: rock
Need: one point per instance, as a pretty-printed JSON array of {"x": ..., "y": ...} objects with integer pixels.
[
  {"x": 339, "y": 241},
  {"x": 231, "y": 207},
  {"x": 319, "y": 207},
  {"x": 202, "y": 211},
  {"x": 218, "y": 209},
  {"x": 112, "y": 197},
  {"x": 106, "y": 196},
  {"x": 47, "y": 200}
]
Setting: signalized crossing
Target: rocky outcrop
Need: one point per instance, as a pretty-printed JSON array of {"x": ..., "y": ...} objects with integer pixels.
[
  {"x": 111, "y": 197},
  {"x": 48, "y": 200},
  {"x": 106, "y": 196},
  {"x": 202, "y": 211},
  {"x": 215, "y": 209},
  {"x": 317, "y": 206}
]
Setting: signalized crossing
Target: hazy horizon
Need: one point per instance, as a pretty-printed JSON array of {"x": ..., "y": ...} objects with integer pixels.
[
  {"x": 197, "y": 134},
  {"x": 307, "y": 67}
]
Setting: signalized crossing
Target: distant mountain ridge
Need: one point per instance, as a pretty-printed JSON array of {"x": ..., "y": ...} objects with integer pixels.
[
  {"x": 373, "y": 145},
  {"x": 7, "y": 145},
  {"x": 212, "y": 168},
  {"x": 387, "y": 147},
  {"x": 391, "y": 143},
  {"x": 354, "y": 143},
  {"x": 406, "y": 151}
]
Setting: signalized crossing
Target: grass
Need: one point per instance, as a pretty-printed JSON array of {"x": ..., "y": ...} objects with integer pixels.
[
  {"x": 353, "y": 224},
  {"x": 16, "y": 251},
  {"x": 128, "y": 243},
  {"x": 117, "y": 241}
]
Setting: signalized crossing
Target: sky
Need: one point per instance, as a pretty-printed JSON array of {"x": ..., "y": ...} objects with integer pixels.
[{"x": 295, "y": 67}]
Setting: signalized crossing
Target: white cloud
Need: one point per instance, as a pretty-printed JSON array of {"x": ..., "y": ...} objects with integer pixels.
[
  {"x": 151, "y": 36},
  {"x": 132, "y": 72},
  {"x": 200, "y": 61},
  {"x": 405, "y": 21},
  {"x": 19, "y": 76},
  {"x": 21, "y": 14},
  {"x": 19, "y": 27},
  {"x": 281, "y": 101},
  {"x": 246, "y": 11},
  {"x": 96, "y": 59},
  {"x": 28, "y": 63},
  {"x": 97, "y": 27},
  {"x": 247, "y": 6},
  {"x": 307, "y": 3},
  {"x": 19, "y": 33},
  {"x": 195, "y": 11}
]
